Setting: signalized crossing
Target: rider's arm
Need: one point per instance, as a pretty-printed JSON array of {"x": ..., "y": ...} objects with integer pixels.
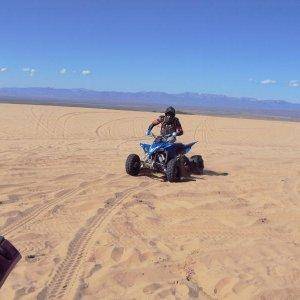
[
  {"x": 155, "y": 122},
  {"x": 179, "y": 129}
]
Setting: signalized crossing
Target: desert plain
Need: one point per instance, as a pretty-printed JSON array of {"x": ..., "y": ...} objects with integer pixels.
[{"x": 87, "y": 230}]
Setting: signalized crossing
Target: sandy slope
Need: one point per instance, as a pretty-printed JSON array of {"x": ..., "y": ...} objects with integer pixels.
[{"x": 88, "y": 231}]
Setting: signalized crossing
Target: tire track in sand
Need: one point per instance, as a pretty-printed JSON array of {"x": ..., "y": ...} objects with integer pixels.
[
  {"x": 67, "y": 116},
  {"x": 40, "y": 124},
  {"x": 67, "y": 274},
  {"x": 32, "y": 213},
  {"x": 208, "y": 131},
  {"x": 108, "y": 133},
  {"x": 133, "y": 138},
  {"x": 203, "y": 137},
  {"x": 111, "y": 132}
]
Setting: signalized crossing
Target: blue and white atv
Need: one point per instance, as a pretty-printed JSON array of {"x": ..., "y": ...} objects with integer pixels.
[{"x": 166, "y": 156}]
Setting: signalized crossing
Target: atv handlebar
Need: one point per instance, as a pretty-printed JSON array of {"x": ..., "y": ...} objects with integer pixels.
[
  {"x": 166, "y": 137},
  {"x": 163, "y": 136}
]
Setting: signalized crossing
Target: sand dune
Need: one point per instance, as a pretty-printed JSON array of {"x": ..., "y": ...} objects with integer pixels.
[{"x": 86, "y": 230}]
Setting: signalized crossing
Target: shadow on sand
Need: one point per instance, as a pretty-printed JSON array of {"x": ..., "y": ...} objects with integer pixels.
[
  {"x": 214, "y": 173},
  {"x": 156, "y": 176},
  {"x": 162, "y": 177}
]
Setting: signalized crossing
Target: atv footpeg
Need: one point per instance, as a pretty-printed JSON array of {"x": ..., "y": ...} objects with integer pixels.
[{"x": 9, "y": 257}]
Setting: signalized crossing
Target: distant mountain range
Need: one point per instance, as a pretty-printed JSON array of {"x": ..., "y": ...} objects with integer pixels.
[{"x": 187, "y": 102}]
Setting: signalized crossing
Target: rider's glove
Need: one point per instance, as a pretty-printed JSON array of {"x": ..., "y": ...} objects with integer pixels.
[{"x": 148, "y": 132}]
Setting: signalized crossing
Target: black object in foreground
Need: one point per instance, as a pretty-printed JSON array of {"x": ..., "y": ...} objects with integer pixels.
[{"x": 9, "y": 257}]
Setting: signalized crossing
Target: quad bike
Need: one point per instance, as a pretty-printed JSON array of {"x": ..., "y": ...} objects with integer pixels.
[{"x": 166, "y": 156}]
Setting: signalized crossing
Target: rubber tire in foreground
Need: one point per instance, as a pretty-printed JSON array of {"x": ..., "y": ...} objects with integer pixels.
[
  {"x": 197, "y": 164},
  {"x": 133, "y": 164},
  {"x": 173, "y": 170}
]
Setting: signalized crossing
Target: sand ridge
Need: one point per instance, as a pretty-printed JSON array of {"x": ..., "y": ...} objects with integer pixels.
[{"x": 86, "y": 230}]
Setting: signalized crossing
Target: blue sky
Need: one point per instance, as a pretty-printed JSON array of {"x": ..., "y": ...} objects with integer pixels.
[{"x": 239, "y": 48}]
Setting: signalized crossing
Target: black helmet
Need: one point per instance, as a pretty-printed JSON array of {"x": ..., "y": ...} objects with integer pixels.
[
  {"x": 170, "y": 111},
  {"x": 170, "y": 114}
]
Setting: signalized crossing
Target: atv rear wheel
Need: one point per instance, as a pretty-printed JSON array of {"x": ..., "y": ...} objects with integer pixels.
[
  {"x": 133, "y": 165},
  {"x": 197, "y": 164},
  {"x": 173, "y": 170},
  {"x": 185, "y": 165}
]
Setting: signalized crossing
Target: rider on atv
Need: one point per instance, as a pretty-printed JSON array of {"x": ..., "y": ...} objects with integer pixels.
[
  {"x": 170, "y": 125},
  {"x": 164, "y": 154}
]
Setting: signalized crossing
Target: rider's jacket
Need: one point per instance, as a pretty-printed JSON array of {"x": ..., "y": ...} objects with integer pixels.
[{"x": 167, "y": 127}]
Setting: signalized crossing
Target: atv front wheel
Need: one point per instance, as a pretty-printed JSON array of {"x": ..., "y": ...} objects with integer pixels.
[
  {"x": 133, "y": 165},
  {"x": 185, "y": 165},
  {"x": 173, "y": 170},
  {"x": 197, "y": 164}
]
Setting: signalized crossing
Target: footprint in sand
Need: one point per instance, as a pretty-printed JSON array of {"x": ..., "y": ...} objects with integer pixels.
[
  {"x": 151, "y": 288},
  {"x": 117, "y": 253},
  {"x": 13, "y": 198},
  {"x": 96, "y": 268},
  {"x": 165, "y": 293},
  {"x": 224, "y": 285},
  {"x": 23, "y": 292}
]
